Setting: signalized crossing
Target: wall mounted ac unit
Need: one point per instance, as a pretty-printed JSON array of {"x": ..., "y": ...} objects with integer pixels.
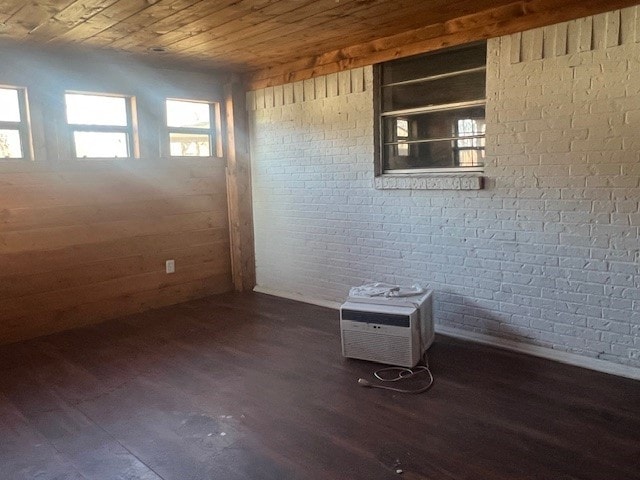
[{"x": 390, "y": 330}]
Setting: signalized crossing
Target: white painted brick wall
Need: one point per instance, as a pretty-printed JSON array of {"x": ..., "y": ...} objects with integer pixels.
[{"x": 547, "y": 253}]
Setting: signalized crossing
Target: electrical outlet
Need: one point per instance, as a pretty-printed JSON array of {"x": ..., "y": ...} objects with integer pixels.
[{"x": 170, "y": 266}]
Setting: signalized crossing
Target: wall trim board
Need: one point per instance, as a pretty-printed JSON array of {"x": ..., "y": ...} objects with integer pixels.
[
  {"x": 505, "y": 344},
  {"x": 238, "y": 177}
]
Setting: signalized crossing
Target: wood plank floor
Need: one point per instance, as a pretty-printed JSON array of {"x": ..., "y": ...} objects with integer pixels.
[{"x": 254, "y": 387}]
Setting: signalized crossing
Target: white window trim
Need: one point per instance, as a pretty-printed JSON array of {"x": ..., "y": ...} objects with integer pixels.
[
  {"x": 131, "y": 129},
  {"x": 214, "y": 131}
]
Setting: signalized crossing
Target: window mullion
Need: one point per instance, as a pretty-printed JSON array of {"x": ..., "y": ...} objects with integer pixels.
[
  {"x": 99, "y": 128},
  {"x": 436, "y": 108}
]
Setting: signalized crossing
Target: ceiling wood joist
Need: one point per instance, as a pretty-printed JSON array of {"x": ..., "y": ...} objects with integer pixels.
[{"x": 276, "y": 41}]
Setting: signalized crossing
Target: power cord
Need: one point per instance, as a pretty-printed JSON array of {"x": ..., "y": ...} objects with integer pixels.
[{"x": 401, "y": 373}]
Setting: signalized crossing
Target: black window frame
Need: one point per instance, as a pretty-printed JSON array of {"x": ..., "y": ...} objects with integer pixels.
[
  {"x": 380, "y": 114},
  {"x": 213, "y": 131},
  {"x": 130, "y": 130},
  {"x": 23, "y": 126}
]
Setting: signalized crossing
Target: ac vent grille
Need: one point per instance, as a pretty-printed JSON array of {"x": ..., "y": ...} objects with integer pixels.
[{"x": 379, "y": 348}]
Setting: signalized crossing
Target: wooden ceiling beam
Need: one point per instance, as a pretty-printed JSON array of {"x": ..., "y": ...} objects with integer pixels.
[{"x": 492, "y": 22}]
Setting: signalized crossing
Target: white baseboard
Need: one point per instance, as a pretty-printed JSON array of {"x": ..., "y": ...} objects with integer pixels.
[
  {"x": 535, "y": 350},
  {"x": 543, "y": 352}
]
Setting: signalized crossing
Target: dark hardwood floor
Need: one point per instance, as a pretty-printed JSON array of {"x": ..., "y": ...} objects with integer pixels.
[{"x": 254, "y": 387}]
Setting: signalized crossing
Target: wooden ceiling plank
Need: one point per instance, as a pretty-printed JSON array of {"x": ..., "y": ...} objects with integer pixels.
[
  {"x": 437, "y": 11},
  {"x": 486, "y": 24},
  {"x": 321, "y": 12},
  {"x": 501, "y": 13},
  {"x": 236, "y": 12},
  {"x": 143, "y": 31},
  {"x": 9, "y": 8},
  {"x": 303, "y": 20},
  {"x": 190, "y": 15},
  {"x": 31, "y": 16},
  {"x": 322, "y": 31},
  {"x": 256, "y": 52},
  {"x": 184, "y": 24},
  {"x": 75, "y": 13},
  {"x": 269, "y": 51},
  {"x": 440, "y": 32},
  {"x": 114, "y": 13},
  {"x": 115, "y": 30},
  {"x": 273, "y": 38},
  {"x": 161, "y": 10},
  {"x": 148, "y": 34},
  {"x": 252, "y": 24}
]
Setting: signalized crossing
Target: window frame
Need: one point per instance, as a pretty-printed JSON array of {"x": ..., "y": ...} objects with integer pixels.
[
  {"x": 23, "y": 126},
  {"x": 379, "y": 116},
  {"x": 214, "y": 131},
  {"x": 130, "y": 130}
]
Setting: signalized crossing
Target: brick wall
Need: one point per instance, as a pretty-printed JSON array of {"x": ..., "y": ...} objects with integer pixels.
[{"x": 547, "y": 254}]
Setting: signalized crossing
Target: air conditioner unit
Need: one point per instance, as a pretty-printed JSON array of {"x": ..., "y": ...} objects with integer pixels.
[{"x": 390, "y": 330}]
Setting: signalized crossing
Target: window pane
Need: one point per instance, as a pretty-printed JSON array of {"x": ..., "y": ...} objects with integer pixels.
[
  {"x": 471, "y": 158},
  {"x": 436, "y": 125},
  {"x": 471, "y": 127},
  {"x": 9, "y": 105},
  {"x": 460, "y": 88},
  {"x": 10, "y": 144},
  {"x": 101, "y": 144},
  {"x": 189, "y": 145},
  {"x": 85, "y": 109},
  {"x": 434, "y": 64},
  {"x": 402, "y": 133},
  {"x": 437, "y": 154},
  {"x": 402, "y": 128},
  {"x": 183, "y": 114}
]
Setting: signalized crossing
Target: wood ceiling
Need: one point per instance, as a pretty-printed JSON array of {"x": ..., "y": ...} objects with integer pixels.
[{"x": 274, "y": 39}]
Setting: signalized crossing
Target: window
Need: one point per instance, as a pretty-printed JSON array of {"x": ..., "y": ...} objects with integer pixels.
[
  {"x": 101, "y": 126},
  {"x": 193, "y": 128},
  {"x": 431, "y": 111},
  {"x": 14, "y": 126}
]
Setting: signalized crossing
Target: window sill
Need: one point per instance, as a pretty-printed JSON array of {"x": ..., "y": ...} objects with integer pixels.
[{"x": 433, "y": 181}]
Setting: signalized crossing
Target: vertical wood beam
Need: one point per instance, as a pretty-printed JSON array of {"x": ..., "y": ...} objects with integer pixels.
[{"x": 239, "y": 187}]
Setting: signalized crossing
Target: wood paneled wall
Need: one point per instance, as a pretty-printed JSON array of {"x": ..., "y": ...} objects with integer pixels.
[{"x": 83, "y": 241}]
